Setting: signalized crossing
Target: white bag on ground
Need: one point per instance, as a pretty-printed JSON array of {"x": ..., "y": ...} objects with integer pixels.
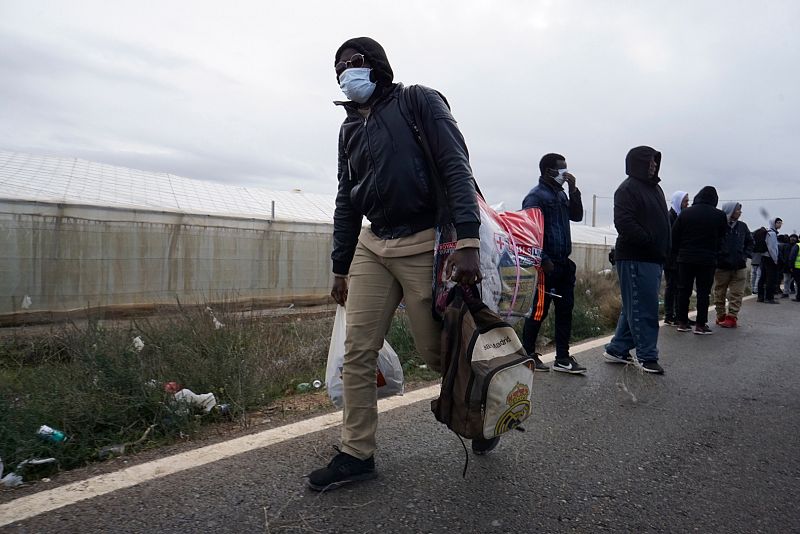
[
  {"x": 206, "y": 401},
  {"x": 389, "y": 374}
]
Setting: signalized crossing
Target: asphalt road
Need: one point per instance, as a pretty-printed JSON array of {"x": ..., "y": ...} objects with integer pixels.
[{"x": 711, "y": 446}]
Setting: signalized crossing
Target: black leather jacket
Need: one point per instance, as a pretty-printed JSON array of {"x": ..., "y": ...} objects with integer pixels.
[{"x": 384, "y": 175}]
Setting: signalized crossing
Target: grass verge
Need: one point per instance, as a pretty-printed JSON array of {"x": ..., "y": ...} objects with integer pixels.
[{"x": 92, "y": 383}]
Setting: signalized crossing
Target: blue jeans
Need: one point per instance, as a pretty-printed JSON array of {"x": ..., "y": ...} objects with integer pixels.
[{"x": 639, "y": 283}]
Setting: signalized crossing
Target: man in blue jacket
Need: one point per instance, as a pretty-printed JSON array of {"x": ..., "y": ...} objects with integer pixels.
[{"x": 558, "y": 279}]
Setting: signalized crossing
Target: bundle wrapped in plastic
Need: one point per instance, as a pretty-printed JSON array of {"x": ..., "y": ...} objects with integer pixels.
[{"x": 511, "y": 255}]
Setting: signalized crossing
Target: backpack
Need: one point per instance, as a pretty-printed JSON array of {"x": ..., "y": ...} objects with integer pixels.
[
  {"x": 760, "y": 240},
  {"x": 488, "y": 376}
]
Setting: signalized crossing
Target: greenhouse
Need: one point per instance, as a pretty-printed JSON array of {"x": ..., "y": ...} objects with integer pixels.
[
  {"x": 77, "y": 234},
  {"x": 80, "y": 235}
]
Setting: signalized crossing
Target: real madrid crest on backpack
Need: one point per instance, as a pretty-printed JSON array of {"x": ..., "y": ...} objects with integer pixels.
[{"x": 488, "y": 380}]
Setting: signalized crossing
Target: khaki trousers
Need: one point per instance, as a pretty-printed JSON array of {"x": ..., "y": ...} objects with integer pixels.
[
  {"x": 376, "y": 286},
  {"x": 730, "y": 284}
]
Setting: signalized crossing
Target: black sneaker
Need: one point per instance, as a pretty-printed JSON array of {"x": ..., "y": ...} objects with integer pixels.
[
  {"x": 568, "y": 365},
  {"x": 613, "y": 358},
  {"x": 482, "y": 446},
  {"x": 538, "y": 363},
  {"x": 652, "y": 367},
  {"x": 772, "y": 301},
  {"x": 342, "y": 470},
  {"x": 702, "y": 330},
  {"x": 684, "y": 327},
  {"x": 670, "y": 322}
]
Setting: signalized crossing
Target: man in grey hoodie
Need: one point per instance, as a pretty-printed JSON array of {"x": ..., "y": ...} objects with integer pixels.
[
  {"x": 731, "y": 274},
  {"x": 769, "y": 264}
]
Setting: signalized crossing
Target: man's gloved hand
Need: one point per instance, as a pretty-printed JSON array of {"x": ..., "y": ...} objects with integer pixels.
[{"x": 548, "y": 266}]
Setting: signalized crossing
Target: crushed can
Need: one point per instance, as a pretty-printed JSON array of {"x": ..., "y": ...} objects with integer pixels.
[{"x": 51, "y": 434}]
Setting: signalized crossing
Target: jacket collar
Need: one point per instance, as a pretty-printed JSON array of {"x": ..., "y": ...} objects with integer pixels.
[{"x": 550, "y": 183}]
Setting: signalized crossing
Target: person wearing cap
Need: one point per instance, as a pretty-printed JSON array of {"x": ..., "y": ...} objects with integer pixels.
[
  {"x": 731, "y": 274},
  {"x": 384, "y": 175},
  {"x": 558, "y": 277}
]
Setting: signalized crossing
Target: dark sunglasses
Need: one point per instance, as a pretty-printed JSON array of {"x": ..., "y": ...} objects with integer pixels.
[{"x": 356, "y": 61}]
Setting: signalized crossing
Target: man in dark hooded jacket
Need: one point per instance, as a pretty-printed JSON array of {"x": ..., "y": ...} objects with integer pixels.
[
  {"x": 384, "y": 176},
  {"x": 642, "y": 222},
  {"x": 731, "y": 274},
  {"x": 696, "y": 236}
]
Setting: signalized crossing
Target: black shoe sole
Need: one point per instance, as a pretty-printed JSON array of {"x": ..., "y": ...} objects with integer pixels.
[
  {"x": 542, "y": 370},
  {"x": 613, "y": 359},
  {"x": 569, "y": 371},
  {"x": 493, "y": 446},
  {"x": 336, "y": 485}
]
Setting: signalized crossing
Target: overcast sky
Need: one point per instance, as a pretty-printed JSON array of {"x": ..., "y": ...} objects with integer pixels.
[{"x": 241, "y": 92}]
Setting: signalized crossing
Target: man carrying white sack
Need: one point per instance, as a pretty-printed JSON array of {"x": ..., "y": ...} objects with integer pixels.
[{"x": 384, "y": 176}]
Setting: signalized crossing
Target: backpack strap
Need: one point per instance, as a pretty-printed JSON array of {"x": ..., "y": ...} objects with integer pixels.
[{"x": 410, "y": 109}]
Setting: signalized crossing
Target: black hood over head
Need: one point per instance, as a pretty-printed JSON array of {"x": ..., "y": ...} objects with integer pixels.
[
  {"x": 376, "y": 56},
  {"x": 707, "y": 195},
  {"x": 637, "y": 163}
]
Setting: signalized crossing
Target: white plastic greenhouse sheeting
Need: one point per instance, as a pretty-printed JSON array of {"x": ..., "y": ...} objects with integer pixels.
[
  {"x": 53, "y": 179},
  {"x": 66, "y": 258}
]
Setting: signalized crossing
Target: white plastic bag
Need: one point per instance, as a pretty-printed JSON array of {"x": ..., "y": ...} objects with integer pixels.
[
  {"x": 206, "y": 401},
  {"x": 389, "y": 374}
]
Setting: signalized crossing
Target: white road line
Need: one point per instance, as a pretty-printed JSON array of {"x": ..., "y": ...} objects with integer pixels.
[{"x": 48, "y": 500}]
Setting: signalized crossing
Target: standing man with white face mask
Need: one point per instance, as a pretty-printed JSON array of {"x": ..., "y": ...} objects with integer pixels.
[
  {"x": 559, "y": 271},
  {"x": 384, "y": 176}
]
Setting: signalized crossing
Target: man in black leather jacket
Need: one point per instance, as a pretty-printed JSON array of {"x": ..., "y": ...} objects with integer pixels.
[{"x": 384, "y": 175}]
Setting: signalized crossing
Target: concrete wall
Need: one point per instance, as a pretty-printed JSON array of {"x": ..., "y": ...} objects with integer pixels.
[{"x": 73, "y": 257}]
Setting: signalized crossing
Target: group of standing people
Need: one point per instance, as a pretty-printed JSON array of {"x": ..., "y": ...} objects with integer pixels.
[
  {"x": 403, "y": 164},
  {"x": 775, "y": 260}
]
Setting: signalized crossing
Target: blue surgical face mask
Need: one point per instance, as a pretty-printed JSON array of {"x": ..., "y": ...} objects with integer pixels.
[
  {"x": 356, "y": 85},
  {"x": 560, "y": 179}
]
